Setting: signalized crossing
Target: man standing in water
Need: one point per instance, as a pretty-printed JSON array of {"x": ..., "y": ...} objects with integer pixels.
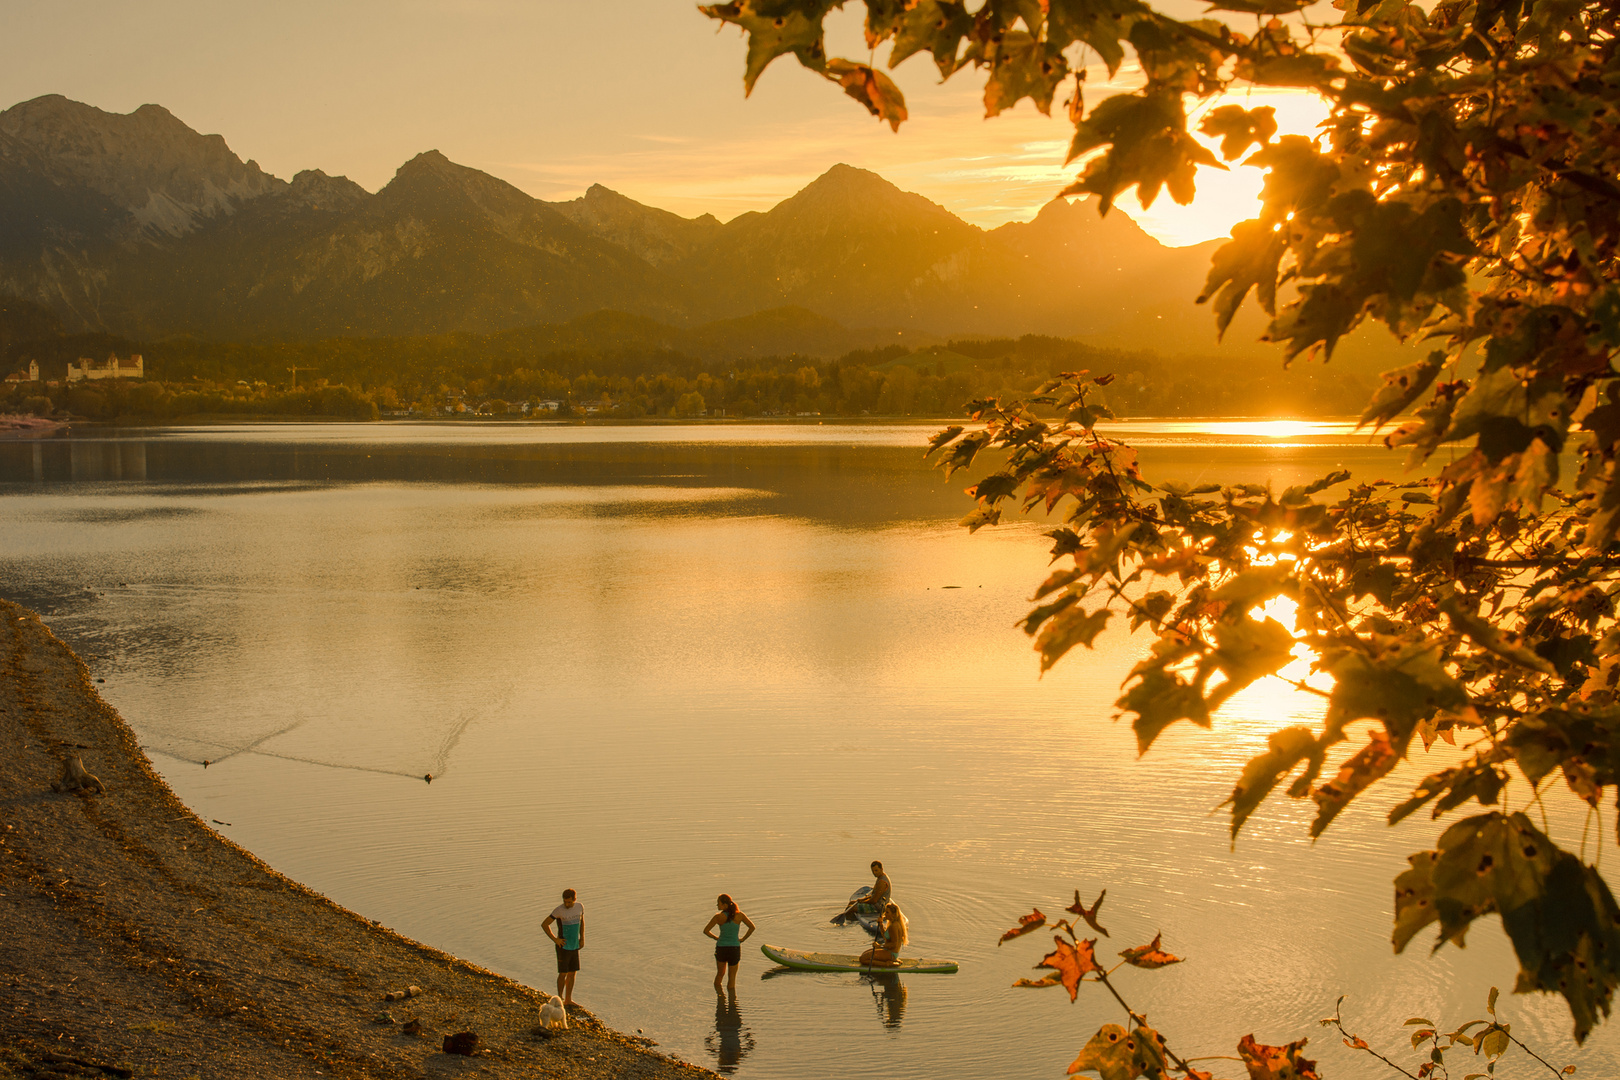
[
  {"x": 878, "y": 897},
  {"x": 569, "y": 939}
]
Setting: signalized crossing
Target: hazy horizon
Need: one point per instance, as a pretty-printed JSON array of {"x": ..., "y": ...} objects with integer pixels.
[{"x": 648, "y": 102}]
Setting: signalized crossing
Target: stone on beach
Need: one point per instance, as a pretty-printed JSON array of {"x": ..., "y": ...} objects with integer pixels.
[{"x": 464, "y": 1043}]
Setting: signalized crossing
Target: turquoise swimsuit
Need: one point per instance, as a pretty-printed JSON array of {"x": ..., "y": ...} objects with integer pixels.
[{"x": 730, "y": 934}]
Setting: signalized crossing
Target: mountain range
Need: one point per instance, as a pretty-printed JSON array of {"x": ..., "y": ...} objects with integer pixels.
[{"x": 134, "y": 224}]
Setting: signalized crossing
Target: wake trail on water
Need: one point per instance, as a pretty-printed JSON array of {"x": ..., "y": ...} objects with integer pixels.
[
  {"x": 248, "y": 748},
  {"x": 439, "y": 762}
]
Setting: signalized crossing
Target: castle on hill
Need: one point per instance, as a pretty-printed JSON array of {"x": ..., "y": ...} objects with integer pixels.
[{"x": 111, "y": 368}]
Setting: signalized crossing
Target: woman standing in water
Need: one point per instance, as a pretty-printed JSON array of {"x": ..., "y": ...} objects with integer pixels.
[
  {"x": 886, "y": 952},
  {"x": 729, "y": 939}
]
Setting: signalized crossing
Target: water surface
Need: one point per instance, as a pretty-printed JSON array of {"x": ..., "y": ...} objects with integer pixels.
[{"x": 655, "y": 663}]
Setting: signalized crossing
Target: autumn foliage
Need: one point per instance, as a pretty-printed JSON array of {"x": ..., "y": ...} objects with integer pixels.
[
  {"x": 1464, "y": 191},
  {"x": 1125, "y": 1053}
]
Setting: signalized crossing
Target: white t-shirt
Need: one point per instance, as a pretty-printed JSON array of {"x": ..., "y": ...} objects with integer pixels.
[{"x": 568, "y": 923}]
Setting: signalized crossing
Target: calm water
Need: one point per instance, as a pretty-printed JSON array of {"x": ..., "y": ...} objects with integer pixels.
[{"x": 658, "y": 663}]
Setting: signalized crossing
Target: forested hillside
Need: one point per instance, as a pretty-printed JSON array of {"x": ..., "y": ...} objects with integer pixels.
[{"x": 778, "y": 363}]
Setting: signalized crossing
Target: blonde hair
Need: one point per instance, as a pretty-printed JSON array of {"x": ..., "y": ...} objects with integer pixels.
[{"x": 898, "y": 918}]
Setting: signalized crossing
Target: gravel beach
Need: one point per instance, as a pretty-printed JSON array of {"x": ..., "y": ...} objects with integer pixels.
[{"x": 138, "y": 942}]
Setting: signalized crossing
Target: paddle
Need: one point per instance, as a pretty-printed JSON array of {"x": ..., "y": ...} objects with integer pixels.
[{"x": 849, "y": 912}]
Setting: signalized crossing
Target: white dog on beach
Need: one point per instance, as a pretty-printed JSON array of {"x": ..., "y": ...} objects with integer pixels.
[{"x": 552, "y": 1013}]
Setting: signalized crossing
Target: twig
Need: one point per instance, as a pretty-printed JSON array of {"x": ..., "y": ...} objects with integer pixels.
[
  {"x": 1535, "y": 797},
  {"x": 1138, "y": 1020},
  {"x": 1356, "y": 1042},
  {"x": 1517, "y": 1042}
]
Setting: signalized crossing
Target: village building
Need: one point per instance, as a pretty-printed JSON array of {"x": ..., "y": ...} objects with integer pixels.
[
  {"x": 31, "y": 375},
  {"x": 111, "y": 368}
]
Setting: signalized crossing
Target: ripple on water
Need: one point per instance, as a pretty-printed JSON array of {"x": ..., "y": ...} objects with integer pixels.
[{"x": 712, "y": 692}]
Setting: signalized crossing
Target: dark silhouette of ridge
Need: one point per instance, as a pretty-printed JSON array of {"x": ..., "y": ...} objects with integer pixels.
[{"x": 137, "y": 225}]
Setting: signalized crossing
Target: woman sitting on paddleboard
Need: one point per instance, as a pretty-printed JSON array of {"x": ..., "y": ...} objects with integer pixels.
[
  {"x": 886, "y": 953},
  {"x": 728, "y": 950}
]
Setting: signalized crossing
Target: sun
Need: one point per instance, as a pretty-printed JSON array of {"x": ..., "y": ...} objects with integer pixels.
[{"x": 1224, "y": 197}]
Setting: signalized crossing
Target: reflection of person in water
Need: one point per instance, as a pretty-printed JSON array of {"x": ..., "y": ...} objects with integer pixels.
[
  {"x": 889, "y": 994},
  {"x": 731, "y": 1042}
]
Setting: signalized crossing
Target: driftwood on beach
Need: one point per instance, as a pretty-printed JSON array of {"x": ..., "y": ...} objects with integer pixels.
[{"x": 141, "y": 943}]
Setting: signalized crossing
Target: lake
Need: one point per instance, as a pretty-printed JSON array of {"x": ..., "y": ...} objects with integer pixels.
[{"x": 657, "y": 663}]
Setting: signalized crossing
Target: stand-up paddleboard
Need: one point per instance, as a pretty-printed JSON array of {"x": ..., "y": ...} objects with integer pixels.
[
  {"x": 820, "y": 961},
  {"x": 868, "y": 915}
]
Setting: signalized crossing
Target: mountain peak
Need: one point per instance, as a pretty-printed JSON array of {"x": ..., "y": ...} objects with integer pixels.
[
  {"x": 315, "y": 189},
  {"x": 848, "y": 178},
  {"x": 1079, "y": 221},
  {"x": 431, "y": 171},
  {"x": 867, "y": 199},
  {"x": 153, "y": 113},
  {"x": 150, "y": 164},
  {"x": 429, "y": 163},
  {"x": 655, "y": 236}
]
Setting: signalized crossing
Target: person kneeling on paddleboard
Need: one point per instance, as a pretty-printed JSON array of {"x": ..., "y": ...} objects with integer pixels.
[{"x": 886, "y": 953}]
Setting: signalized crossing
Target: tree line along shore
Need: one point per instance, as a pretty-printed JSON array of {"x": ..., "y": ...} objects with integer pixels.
[{"x": 614, "y": 367}]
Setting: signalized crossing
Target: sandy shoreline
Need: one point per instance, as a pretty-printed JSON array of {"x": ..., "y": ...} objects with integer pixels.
[{"x": 140, "y": 943}]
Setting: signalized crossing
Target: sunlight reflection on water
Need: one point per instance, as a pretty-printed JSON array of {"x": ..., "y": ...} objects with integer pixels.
[{"x": 660, "y": 664}]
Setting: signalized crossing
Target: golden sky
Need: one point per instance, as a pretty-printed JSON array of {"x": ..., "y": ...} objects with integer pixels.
[{"x": 643, "y": 96}]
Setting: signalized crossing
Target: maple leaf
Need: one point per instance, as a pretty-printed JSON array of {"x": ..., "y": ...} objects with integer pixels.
[
  {"x": 1116, "y": 1054},
  {"x": 1400, "y": 388},
  {"x": 1148, "y": 145},
  {"x": 1502, "y": 863},
  {"x": 978, "y": 519},
  {"x": 1093, "y": 24},
  {"x": 1072, "y": 962},
  {"x": 1054, "y": 979},
  {"x": 940, "y": 438},
  {"x": 1021, "y": 67},
  {"x": 1358, "y": 773},
  {"x": 1159, "y": 699},
  {"x": 1276, "y": 1062},
  {"x": 871, "y": 88},
  {"x": 1404, "y": 683},
  {"x": 1289, "y": 747},
  {"x": 934, "y": 26},
  {"x": 964, "y": 451},
  {"x": 1149, "y": 955},
  {"x": 882, "y": 20},
  {"x": 1239, "y": 128},
  {"x": 1089, "y": 915},
  {"x": 1246, "y": 650},
  {"x": 1249, "y": 261},
  {"x": 770, "y": 34},
  {"x": 1070, "y": 627},
  {"x": 1026, "y": 924},
  {"x": 1482, "y": 633}
]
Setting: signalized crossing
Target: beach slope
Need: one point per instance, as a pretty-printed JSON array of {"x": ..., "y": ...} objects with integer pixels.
[{"x": 140, "y": 943}]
